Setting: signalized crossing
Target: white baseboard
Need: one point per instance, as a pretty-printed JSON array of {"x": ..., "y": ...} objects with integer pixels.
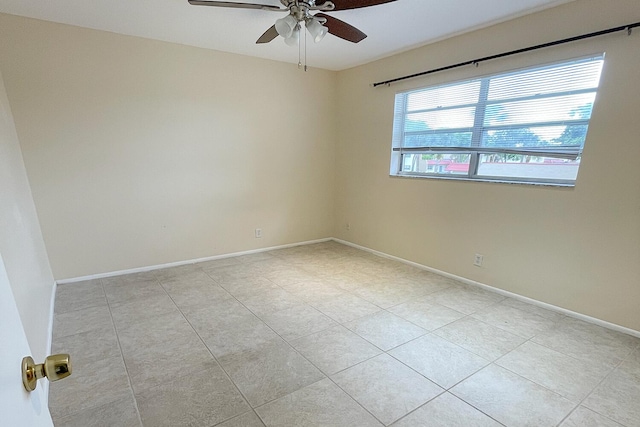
[
  {"x": 187, "y": 262},
  {"x": 541, "y": 304},
  {"x": 518, "y": 297}
]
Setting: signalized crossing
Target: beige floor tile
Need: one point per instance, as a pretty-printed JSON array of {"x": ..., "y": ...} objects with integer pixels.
[
  {"x": 386, "y": 388},
  {"x": 198, "y": 280},
  {"x": 567, "y": 376},
  {"x": 90, "y": 346},
  {"x": 289, "y": 276},
  {"x": 521, "y": 305},
  {"x": 79, "y": 321},
  {"x": 196, "y": 398},
  {"x": 122, "y": 413},
  {"x": 219, "y": 311},
  {"x": 345, "y": 308},
  {"x": 446, "y": 410},
  {"x": 247, "y": 287},
  {"x": 221, "y": 262},
  {"x": 255, "y": 257},
  {"x": 320, "y": 404},
  {"x": 153, "y": 369},
  {"x": 298, "y": 321},
  {"x": 270, "y": 372},
  {"x": 180, "y": 271},
  {"x": 130, "y": 278},
  {"x": 229, "y": 272},
  {"x": 387, "y": 294},
  {"x": 125, "y": 291},
  {"x": 226, "y": 334},
  {"x": 426, "y": 314},
  {"x": 425, "y": 276},
  {"x": 442, "y": 362},
  {"x": 617, "y": 398},
  {"x": 266, "y": 266},
  {"x": 465, "y": 299},
  {"x": 91, "y": 385},
  {"x": 162, "y": 347},
  {"x": 186, "y": 275},
  {"x": 514, "y": 320},
  {"x": 335, "y": 349},
  {"x": 195, "y": 296},
  {"x": 480, "y": 338},
  {"x": 152, "y": 331},
  {"x": 418, "y": 282},
  {"x": 584, "y": 417},
  {"x": 269, "y": 301},
  {"x": 348, "y": 281},
  {"x": 130, "y": 313},
  {"x": 76, "y": 296},
  {"x": 586, "y": 341},
  {"x": 248, "y": 419},
  {"x": 511, "y": 399},
  {"x": 314, "y": 291},
  {"x": 385, "y": 330},
  {"x": 320, "y": 268},
  {"x": 631, "y": 366}
]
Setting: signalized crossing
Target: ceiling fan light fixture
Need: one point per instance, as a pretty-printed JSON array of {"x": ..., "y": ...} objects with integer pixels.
[
  {"x": 286, "y": 26},
  {"x": 294, "y": 38},
  {"x": 316, "y": 29}
]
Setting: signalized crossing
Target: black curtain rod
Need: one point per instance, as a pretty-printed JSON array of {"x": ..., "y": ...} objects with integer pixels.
[{"x": 628, "y": 28}]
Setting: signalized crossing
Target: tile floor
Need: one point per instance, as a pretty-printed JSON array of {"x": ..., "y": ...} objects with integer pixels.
[{"x": 327, "y": 335}]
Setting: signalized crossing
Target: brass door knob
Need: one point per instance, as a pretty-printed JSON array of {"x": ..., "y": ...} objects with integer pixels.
[{"x": 55, "y": 367}]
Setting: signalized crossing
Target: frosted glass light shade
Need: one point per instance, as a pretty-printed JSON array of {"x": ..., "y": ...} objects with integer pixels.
[
  {"x": 294, "y": 38},
  {"x": 286, "y": 25},
  {"x": 316, "y": 29}
]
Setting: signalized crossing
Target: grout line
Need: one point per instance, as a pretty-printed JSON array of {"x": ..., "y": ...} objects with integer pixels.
[
  {"x": 73, "y": 413},
  {"x": 611, "y": 372},
  {"x": 309, "y": 361},
  {"x": 268, "y": 326},
  {"x": 208, "y": 349},
  {"x": 124, "y": 363},
  {"x": 362, "y": 406},
  {"x": 455, "y": 397}
]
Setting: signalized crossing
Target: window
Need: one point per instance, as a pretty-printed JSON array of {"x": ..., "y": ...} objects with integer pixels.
[{"x": 523, "y": 126}]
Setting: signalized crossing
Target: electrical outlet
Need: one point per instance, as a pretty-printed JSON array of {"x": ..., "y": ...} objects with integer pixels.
[
  {"x": 477, "y": 260},
  {"x": 348, "y": 226},
  {"x": 258, "y": 233}
]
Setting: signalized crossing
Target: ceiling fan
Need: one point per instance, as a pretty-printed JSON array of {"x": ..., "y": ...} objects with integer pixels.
[{"x": 318, "y": 24}]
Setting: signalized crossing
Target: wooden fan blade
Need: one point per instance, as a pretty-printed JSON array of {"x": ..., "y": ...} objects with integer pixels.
[
  {"x": 268, "y": 35},
  {"x": 355, "y": 4},
  {"x": 341, "y": 29},
  {"x": 235, "y": 5}
]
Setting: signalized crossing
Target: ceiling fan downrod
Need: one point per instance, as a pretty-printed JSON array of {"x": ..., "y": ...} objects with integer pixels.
[{"x": 304, "y": 6}]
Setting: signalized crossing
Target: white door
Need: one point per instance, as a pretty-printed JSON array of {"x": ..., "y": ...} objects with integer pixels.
[{"x": 18, "y": 407}]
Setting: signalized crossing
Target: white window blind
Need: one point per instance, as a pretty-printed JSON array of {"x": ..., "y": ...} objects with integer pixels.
[{"x": 523, "y": 126}]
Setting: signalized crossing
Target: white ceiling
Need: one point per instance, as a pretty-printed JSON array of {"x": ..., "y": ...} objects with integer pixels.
[{"x": 392, "y": 27}]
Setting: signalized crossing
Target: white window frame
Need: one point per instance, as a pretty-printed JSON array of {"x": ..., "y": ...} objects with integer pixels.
[{"x": 478, "y": 129}]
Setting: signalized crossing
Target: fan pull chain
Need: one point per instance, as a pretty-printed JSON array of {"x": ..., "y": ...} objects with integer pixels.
[
  {"x": 305, "y": 48},
  {"x": 299, "y": 50}
]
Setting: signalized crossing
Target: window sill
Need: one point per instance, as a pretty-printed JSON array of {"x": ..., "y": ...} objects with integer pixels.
[{"x": 485, "y": 180}]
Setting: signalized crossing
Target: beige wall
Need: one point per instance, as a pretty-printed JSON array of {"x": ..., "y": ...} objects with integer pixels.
[
  {"x": 141, "y": 152},
  {"x": 21, "y": 244},
  {"x": 576, "y": 248}
]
